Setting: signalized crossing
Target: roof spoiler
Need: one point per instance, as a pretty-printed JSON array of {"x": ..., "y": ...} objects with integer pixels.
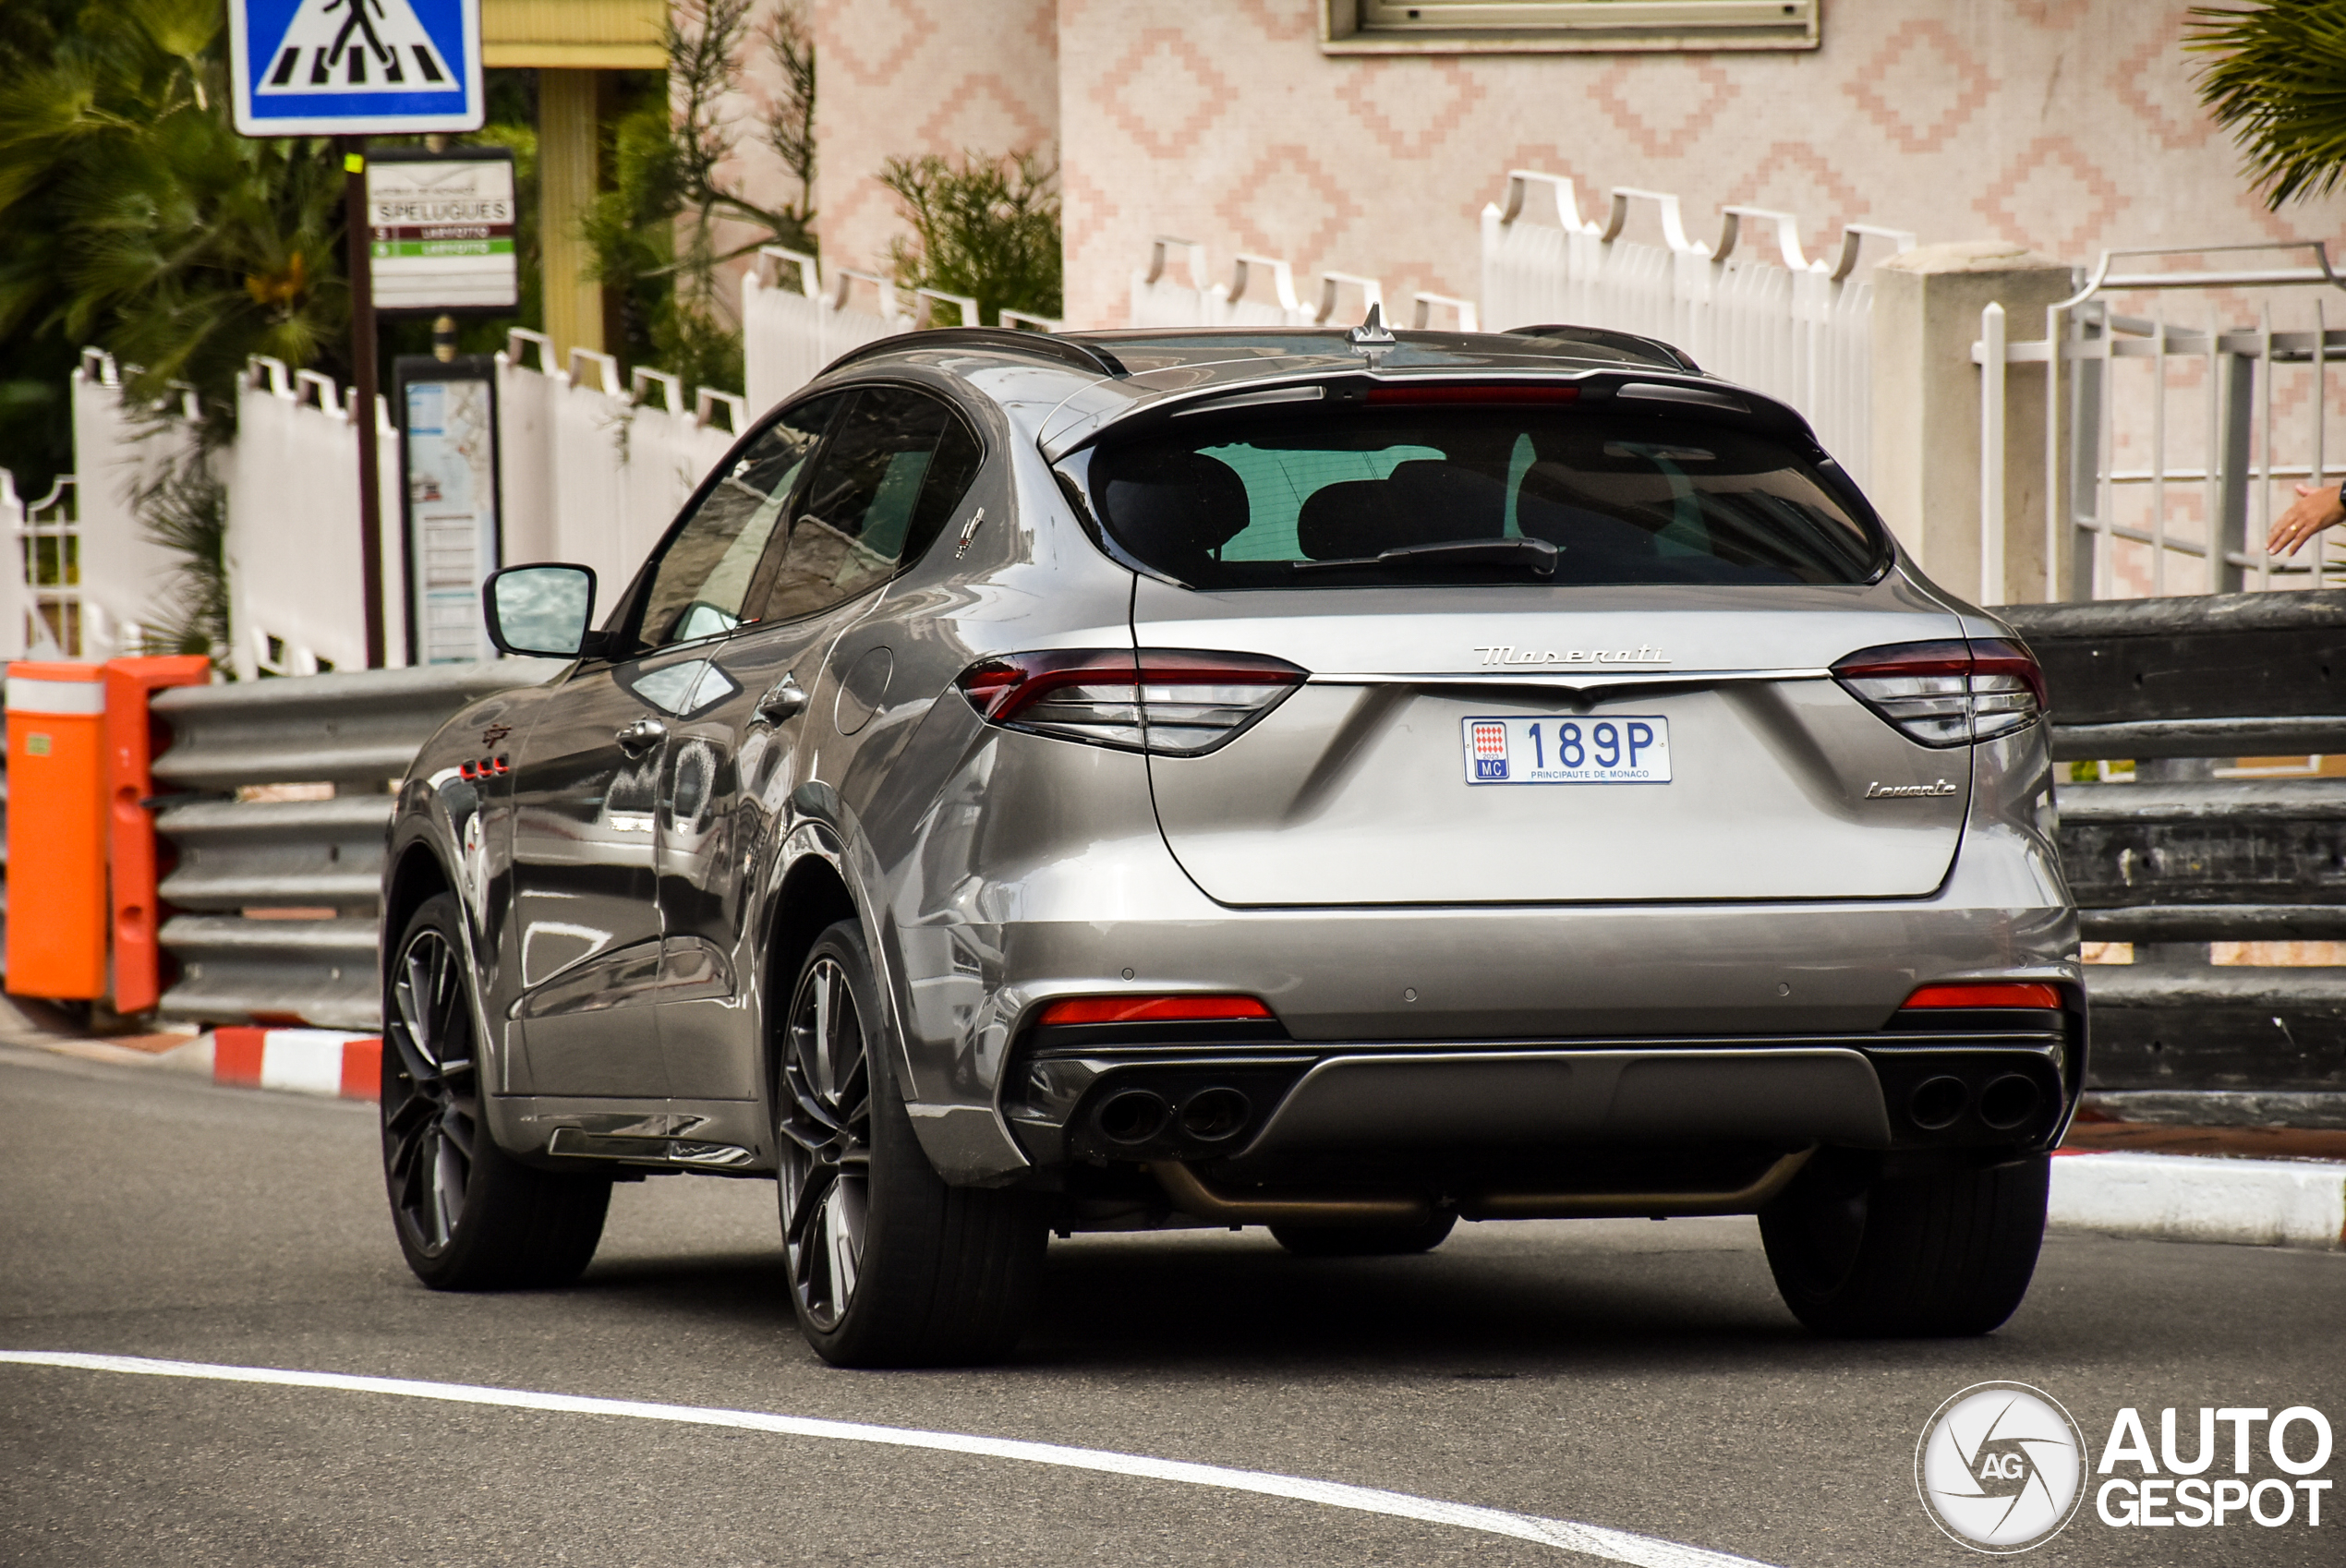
[
  {"x": 1653, "y": 350},
  {"x": 1001, "y": 340}
]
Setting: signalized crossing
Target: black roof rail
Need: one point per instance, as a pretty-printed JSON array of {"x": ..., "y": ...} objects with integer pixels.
[
  {"x": 1042, "y": 345},
  {"x": 1653, "y": 351}
]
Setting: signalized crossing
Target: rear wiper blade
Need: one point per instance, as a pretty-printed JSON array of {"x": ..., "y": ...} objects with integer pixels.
[{"x": 1537, "y": 556}]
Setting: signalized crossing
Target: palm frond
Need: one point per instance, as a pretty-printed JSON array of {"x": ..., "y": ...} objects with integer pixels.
[{"x": 2276, "y": 79}]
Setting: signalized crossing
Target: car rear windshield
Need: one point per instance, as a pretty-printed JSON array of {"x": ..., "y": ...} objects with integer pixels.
[{"x": 1488, "y": 493}]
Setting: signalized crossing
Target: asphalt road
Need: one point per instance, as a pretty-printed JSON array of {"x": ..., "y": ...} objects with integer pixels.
[{"x": 1633, "y": 1375}]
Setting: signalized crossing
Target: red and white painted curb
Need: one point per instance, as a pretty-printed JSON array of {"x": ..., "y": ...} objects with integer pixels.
[{"x": 307, "y": 1061}]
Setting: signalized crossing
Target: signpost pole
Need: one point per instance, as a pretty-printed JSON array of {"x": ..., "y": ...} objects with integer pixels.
[{"x": 357, "y": 222}]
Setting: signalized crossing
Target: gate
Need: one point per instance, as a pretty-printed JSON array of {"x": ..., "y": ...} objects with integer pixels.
[{"x": 2184, "y": 406}]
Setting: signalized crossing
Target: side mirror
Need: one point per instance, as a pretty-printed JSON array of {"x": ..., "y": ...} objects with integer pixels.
[{"x": 542, "y": 611}]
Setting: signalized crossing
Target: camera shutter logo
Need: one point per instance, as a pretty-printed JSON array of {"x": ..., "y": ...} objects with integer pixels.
[{"x": 2000, "y": 1467}]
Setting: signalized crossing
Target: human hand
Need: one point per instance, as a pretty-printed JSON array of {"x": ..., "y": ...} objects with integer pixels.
[{"x": 2316, "y": 508}]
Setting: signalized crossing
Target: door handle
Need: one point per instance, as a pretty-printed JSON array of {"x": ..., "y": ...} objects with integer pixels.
[
  {"x": 784, "y": 699},
  {"x": 641, "y": 736}
]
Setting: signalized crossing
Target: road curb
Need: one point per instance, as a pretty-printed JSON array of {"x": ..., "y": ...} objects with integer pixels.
[
  {"x": 306, "y": 1061},
  {"x": 2297, "y": 1203}
]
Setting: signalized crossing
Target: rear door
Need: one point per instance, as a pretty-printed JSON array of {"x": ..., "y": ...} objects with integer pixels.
[
  {"x": 1559, "y": 654},
  {"x": 800, "y": 677}
]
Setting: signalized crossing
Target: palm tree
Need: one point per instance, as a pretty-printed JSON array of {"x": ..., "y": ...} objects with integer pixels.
[
  {"x": 138, "y": 220},
  {"x": 2276, "y": 79}
]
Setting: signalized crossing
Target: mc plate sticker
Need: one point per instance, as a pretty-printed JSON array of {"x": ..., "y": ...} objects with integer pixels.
[{"x": 1619, "y": 749}]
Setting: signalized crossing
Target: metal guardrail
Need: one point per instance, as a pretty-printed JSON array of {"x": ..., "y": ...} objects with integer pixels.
[
  {"x": 279, "y": 900},
  {"x": 2179, "y": 858}
]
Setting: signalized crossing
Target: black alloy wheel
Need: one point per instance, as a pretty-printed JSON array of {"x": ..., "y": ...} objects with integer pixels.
[
  {"x": 826, "y": 1125},
  {"x": 888, "y": 1265},
  {"x": 468, "y": 1215}
]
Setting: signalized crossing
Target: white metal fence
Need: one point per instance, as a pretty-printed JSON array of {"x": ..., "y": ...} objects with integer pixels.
[
  {"x": 1261, "y": 293},
  {"x": 295, "y": 604},
  {"x": 2185, "y": 407},
  {"x": 1795, "y": 328},
  {"x": 125, "y": 578},
  {"x": 587, "y": 471},
  {"x": 591, "y": 471},
  {"x": 798, "y": 316},
  {"x": 40, "y": 600},
  {"x": 81, "y": 579}
]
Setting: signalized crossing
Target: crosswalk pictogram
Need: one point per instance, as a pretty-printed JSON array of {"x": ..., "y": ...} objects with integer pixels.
[{"x": 356, "y": 46}]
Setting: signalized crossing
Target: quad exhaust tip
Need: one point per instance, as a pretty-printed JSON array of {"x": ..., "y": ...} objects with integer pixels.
[
  {"x": 1937, "y": 1102},
  {"x": 2009, "y": 1100},
  {"x": 1135, "y": 1116}
]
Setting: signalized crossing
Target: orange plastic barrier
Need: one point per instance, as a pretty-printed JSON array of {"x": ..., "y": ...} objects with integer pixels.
[
  {"x": 132, "y": 739},
  {"x": 56, "y": 831}
]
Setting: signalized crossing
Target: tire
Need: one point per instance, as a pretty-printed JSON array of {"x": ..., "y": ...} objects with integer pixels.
[
  {"x": 1945, "y": 1254},
  {"x": 1364, "y": 1241},
  {"x": 468, "y": 1215},
  {"x": 888, "y": 1265}
]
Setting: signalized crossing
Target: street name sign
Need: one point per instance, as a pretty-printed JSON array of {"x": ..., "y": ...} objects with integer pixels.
[
  {"x": 354, "y": 68},
  {"x": 440, "y": 230}
]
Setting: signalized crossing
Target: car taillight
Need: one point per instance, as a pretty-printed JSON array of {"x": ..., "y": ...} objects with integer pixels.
[
  {"x": 1987, "y": 993},
  {"x": 1151, "y": 1009},
  {"x": 1169, "y": 701},
  {"x": 1951, "y": 692}
]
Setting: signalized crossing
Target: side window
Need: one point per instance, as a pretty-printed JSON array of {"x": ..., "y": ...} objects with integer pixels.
[
  {"x": 886, "y": 482},
  {"x": 710, "y": 570}
]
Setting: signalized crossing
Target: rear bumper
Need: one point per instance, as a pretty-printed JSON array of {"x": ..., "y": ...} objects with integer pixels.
[
  {"x": 974, "y": 951},
  {"x": 1260, "y": 1110}
]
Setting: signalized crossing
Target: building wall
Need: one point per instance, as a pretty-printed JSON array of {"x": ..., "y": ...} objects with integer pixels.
[
  {"x": 900, "y": 77},
  {"x": 2067, "y": 124}
]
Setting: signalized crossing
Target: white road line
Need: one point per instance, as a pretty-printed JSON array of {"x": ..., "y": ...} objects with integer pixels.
[{"x": 1592, "y": 1540}]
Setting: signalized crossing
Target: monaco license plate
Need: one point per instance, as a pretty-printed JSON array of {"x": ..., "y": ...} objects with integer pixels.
[{"x": 1618, "y": 749}]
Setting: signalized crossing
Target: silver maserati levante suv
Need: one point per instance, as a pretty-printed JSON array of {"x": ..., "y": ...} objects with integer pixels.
[{"x": 1343, "y": 782}]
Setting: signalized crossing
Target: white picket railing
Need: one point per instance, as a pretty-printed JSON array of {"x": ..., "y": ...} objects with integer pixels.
[
  {"x": 798, "y": 316},
  {"x": 591, "y": 471},
  {"x": 40, "y": 601},
  {"x": 81, "y": 577},
  {"x": 1794, "y": 327},
  {"x": 587, "y": 471},
  {"x": 2172, "y": 439},
  {"x": 1261, "y": 293},
  {"x": 296, "y": 602},
  {"x": 125, "y": 577}
]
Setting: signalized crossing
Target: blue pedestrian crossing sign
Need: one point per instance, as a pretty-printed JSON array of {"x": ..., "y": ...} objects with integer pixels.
[{"x": 355, "y": 68}]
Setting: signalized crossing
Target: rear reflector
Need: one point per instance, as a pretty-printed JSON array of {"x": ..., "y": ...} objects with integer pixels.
[
  {"x": 1152, "y": 1009},
  {"x": 1440, "y": 393},
  {"x": 1987, "y": 993},
  {"x": 1174, "y": 702}
]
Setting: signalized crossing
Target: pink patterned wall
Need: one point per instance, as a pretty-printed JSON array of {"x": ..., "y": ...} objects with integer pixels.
[
  {"x": 2069, "y": 125},
  {"x": 907, "y": 77}
]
